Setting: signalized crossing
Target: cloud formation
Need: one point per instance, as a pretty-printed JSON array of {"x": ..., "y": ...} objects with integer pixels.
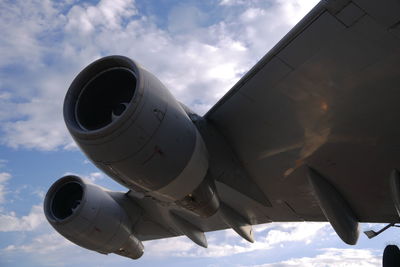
[
  {"x": 333, "y": 257},
  {"x": 44, "y": 244},
  {"x": 48, "y": 248},
  {"x": 4, "y": 177},
  {"x": 93, "y": 176},
  {"x": 44, "y": 44},
  {"x": 268, "y": 237},
  {"x": 10, "y": 222}
]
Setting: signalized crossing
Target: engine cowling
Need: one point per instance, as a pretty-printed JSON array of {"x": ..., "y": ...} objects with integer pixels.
[
  {"x": 131, "y": 127},
  {"x": 90, "y": 217}
]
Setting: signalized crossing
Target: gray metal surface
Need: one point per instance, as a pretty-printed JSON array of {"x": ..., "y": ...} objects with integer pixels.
[{"x": 326, "y": 96}]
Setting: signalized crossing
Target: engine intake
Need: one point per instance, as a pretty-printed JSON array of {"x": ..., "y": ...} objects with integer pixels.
[
  {"x": 66, "y": 200},
  {"x": 94, "y": 115},
  {"x": 90, "y": 217}
]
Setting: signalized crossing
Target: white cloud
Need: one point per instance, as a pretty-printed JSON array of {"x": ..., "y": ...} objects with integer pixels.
[
  {"x": 276, "y": 235},
  {"x": 93, "y": 176},
  {"x": 184, "y": 247},
  {"x": 4, "y": 177},
  {"x": 23, "y": 25},
  {"x": 48, "y": 249},
  {"x": 291, "y": 232},
  {"x": 175, "y": 246},
  {"x": 55, "y": 249},
  {"x": 11, "y": 222},
  {"x": 42, "y": 244},
  {"x": 48, "y": 43},
  {"x": 233, "y": 2},
  {"x": 263, "y": 24},
  {"x": 52, "y": 249},
  {"x": 107, "y": 13},
  {"x": 334, "y": 257},
  {"x": 35, "y": 131}
]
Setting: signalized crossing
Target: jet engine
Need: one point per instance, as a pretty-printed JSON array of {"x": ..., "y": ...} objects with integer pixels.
[
  {"x": 127, "y": 122},
  {"x": 90, "y": 217}
]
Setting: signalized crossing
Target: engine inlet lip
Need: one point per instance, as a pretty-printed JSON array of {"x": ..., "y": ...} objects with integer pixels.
[
  {"x": 86, "y": 87},
  {"x": 84, "y": 78},
  {"x": 52, "y": 192}
]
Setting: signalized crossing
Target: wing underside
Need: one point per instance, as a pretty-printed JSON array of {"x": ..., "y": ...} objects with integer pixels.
[{"x": 324, "y": 97}]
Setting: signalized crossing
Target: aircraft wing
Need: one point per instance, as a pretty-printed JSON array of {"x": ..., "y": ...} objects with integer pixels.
[
  {"x": 310, "y": 133},
  {"x": 326, "y": 96}
]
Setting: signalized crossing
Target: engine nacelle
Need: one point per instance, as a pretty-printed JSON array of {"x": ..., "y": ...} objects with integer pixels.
[
  {"x": 88, "y": 216},
  {"x": 131, "y": 127}
]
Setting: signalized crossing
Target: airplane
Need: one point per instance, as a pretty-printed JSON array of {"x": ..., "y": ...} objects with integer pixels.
[{"x": 310, "y": 133}]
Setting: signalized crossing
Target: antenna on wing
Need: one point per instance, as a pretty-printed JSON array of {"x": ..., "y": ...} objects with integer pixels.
[
  {"x": 371, "y": 233},
  {"x": 394, "y": 183}
]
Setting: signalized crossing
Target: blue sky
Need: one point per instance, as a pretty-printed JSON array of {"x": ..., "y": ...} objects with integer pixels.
[{"x": 199, "y": 49}]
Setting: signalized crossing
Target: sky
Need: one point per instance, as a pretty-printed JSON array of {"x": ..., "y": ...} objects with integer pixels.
[{"x": 198, "y": 49}]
